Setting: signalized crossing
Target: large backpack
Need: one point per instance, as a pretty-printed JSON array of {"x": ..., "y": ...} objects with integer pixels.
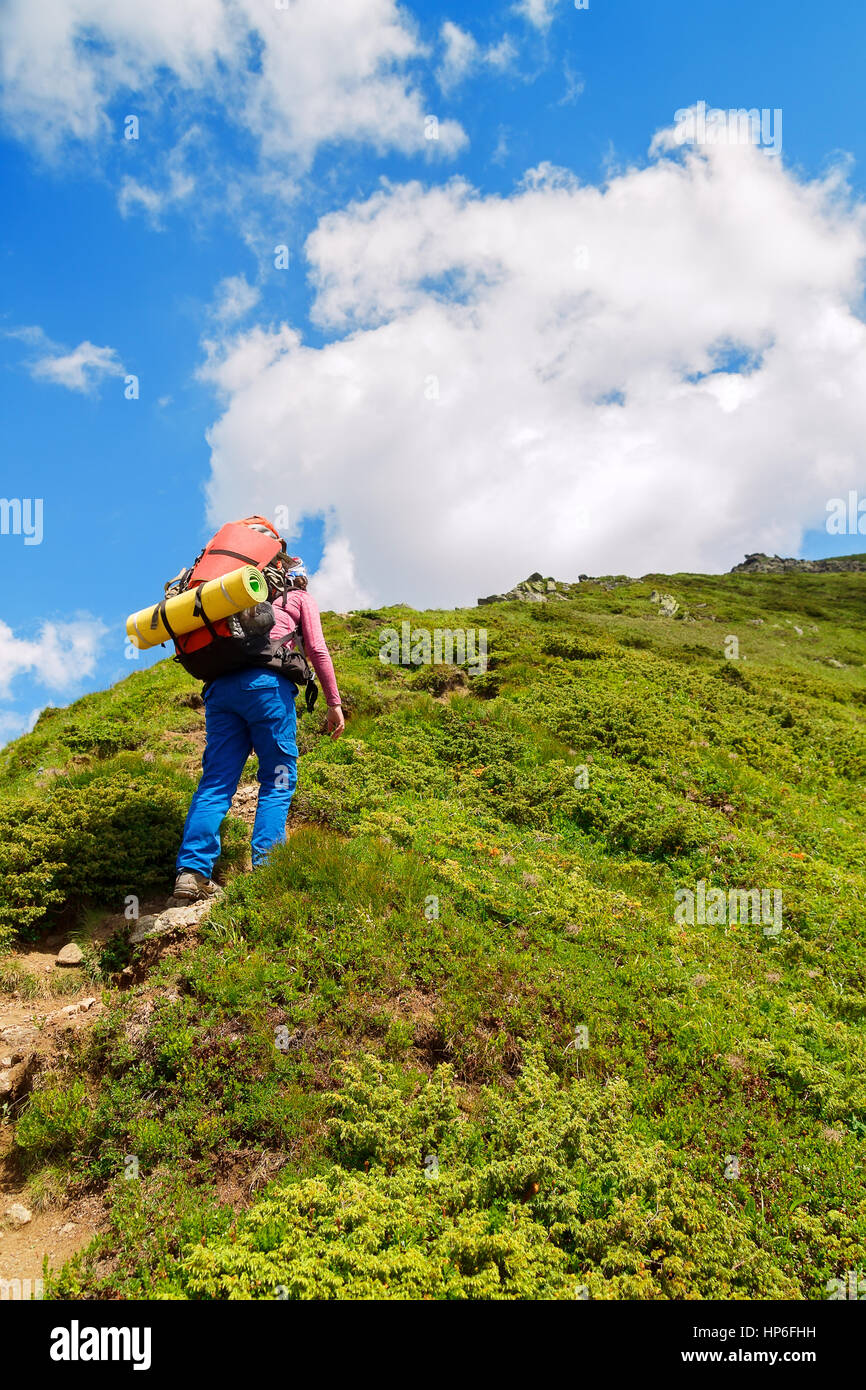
[{"x": 231, "y": 644}]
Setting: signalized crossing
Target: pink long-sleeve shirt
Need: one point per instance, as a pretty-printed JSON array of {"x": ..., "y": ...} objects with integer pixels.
[{"x": 298, "y": 607}]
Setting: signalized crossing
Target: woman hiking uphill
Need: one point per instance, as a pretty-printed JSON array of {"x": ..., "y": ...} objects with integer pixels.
[{"x": 250, "y": 707}]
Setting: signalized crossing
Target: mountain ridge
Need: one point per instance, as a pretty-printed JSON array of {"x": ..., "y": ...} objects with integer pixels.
[{"x": 539, "y": 588}]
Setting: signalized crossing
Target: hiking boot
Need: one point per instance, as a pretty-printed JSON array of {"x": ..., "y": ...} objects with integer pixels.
[{"x": 190, "y": 886}]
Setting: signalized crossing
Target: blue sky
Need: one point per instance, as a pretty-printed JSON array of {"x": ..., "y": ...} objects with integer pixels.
[{"x": 127, "y": 245}]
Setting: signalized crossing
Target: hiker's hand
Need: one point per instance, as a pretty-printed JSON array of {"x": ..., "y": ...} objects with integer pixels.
[{"x": 335, "y": 722}]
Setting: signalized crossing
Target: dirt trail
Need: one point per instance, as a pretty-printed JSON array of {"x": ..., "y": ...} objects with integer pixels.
[
  {"x": 38, "y": 1021},
  {"x": 33, "y": 1031},
  {"x": 53, "y": 1235}
]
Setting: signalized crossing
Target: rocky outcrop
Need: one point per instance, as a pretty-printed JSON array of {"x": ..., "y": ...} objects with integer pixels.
[
  {"x": 535, "y": 589},
  {"x": 759, "y": 563},
  {"x": 539, "y": 588},
  {"x": 171, "y": 920},
  {"x": 668, "y": 605}
]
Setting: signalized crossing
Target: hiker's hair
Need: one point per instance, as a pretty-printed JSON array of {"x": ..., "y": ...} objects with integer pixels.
[{"x": 299, "y": 582}]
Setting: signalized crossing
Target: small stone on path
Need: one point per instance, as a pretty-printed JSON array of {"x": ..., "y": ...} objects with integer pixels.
[{"x": 71, "y": 954}]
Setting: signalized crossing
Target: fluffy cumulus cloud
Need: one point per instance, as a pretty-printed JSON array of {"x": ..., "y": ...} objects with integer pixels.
[
  {"x": 296, "y": 75},
  {"x": 58, "y": 657},
  {"x": 656, "y": 374},
  {"x": 336, "y": 582}
]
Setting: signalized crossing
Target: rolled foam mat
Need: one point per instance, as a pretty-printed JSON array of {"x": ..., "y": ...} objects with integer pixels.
[{"x": 231, "y": 593}]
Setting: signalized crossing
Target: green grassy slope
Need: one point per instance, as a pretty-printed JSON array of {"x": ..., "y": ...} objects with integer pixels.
[{"x": 457, "y": 903}]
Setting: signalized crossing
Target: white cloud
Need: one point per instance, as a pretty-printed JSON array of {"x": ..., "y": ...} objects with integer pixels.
[
  {"x": 31, "y": 334},
  {"x": 59, "y": 657},
  {"x": 460, "y": 56},
  {"x": 295, "y": 78},
  {"x": 335, "y": 583},
  {"x": 235, "y": 297},
  {"x": 337, "y": 72},
  {"x": 64, "y": 62},
  {"x": 501, "y": 152},
  {"x": 463, "y": 55},
  {"x": 79, "y": 369},
  {"x": 528, "y": 382},
  {"x": 82, "y": 369},
  {"x": 135, "y": 196},
  {"x": 175, "y": 181},
  {"x": 501, "y": 54},
  {"x": 574, "y": 86},
  {"x": 13, "y": 723},
  {"x": 537, "y": 12}
]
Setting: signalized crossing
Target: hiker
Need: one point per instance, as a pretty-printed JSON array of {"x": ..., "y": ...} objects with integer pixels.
[{"x": 251, "y": 706}]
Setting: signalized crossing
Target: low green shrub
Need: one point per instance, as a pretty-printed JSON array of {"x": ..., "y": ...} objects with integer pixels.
[
  {"x": 546, "y": 1194},
  {"x": 94, "y": 837}
]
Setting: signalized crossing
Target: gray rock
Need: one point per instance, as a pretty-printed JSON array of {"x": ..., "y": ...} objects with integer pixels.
[
  {"x": 759, "y": 563},
  {"x": 173, "y": 919},
  {"x": 17, "y": 1215},
  {"x": 71, "y": 1009},
  {"x": 535, "y": 589},
  {"x": 71, "y": 954},
  {"x": 146, "y": 927},
  {"x": 668, "y": 605}
]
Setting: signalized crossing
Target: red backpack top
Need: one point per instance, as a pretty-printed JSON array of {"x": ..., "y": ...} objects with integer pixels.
[{"x": 234, "y": 544}]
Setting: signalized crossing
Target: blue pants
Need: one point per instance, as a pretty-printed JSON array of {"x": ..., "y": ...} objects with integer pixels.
[{"x": 249, "y": 709}]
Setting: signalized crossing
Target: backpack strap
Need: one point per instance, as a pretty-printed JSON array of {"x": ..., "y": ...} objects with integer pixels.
[
  {"x": 311, "y": 691},
  {"x": 235, "y": 555},
  {"x": 294, "y": 636},
  {"x": 198, "y": 612},
  {"x": 159, "y": 614},
  {"x": 179, "y": 584}
]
